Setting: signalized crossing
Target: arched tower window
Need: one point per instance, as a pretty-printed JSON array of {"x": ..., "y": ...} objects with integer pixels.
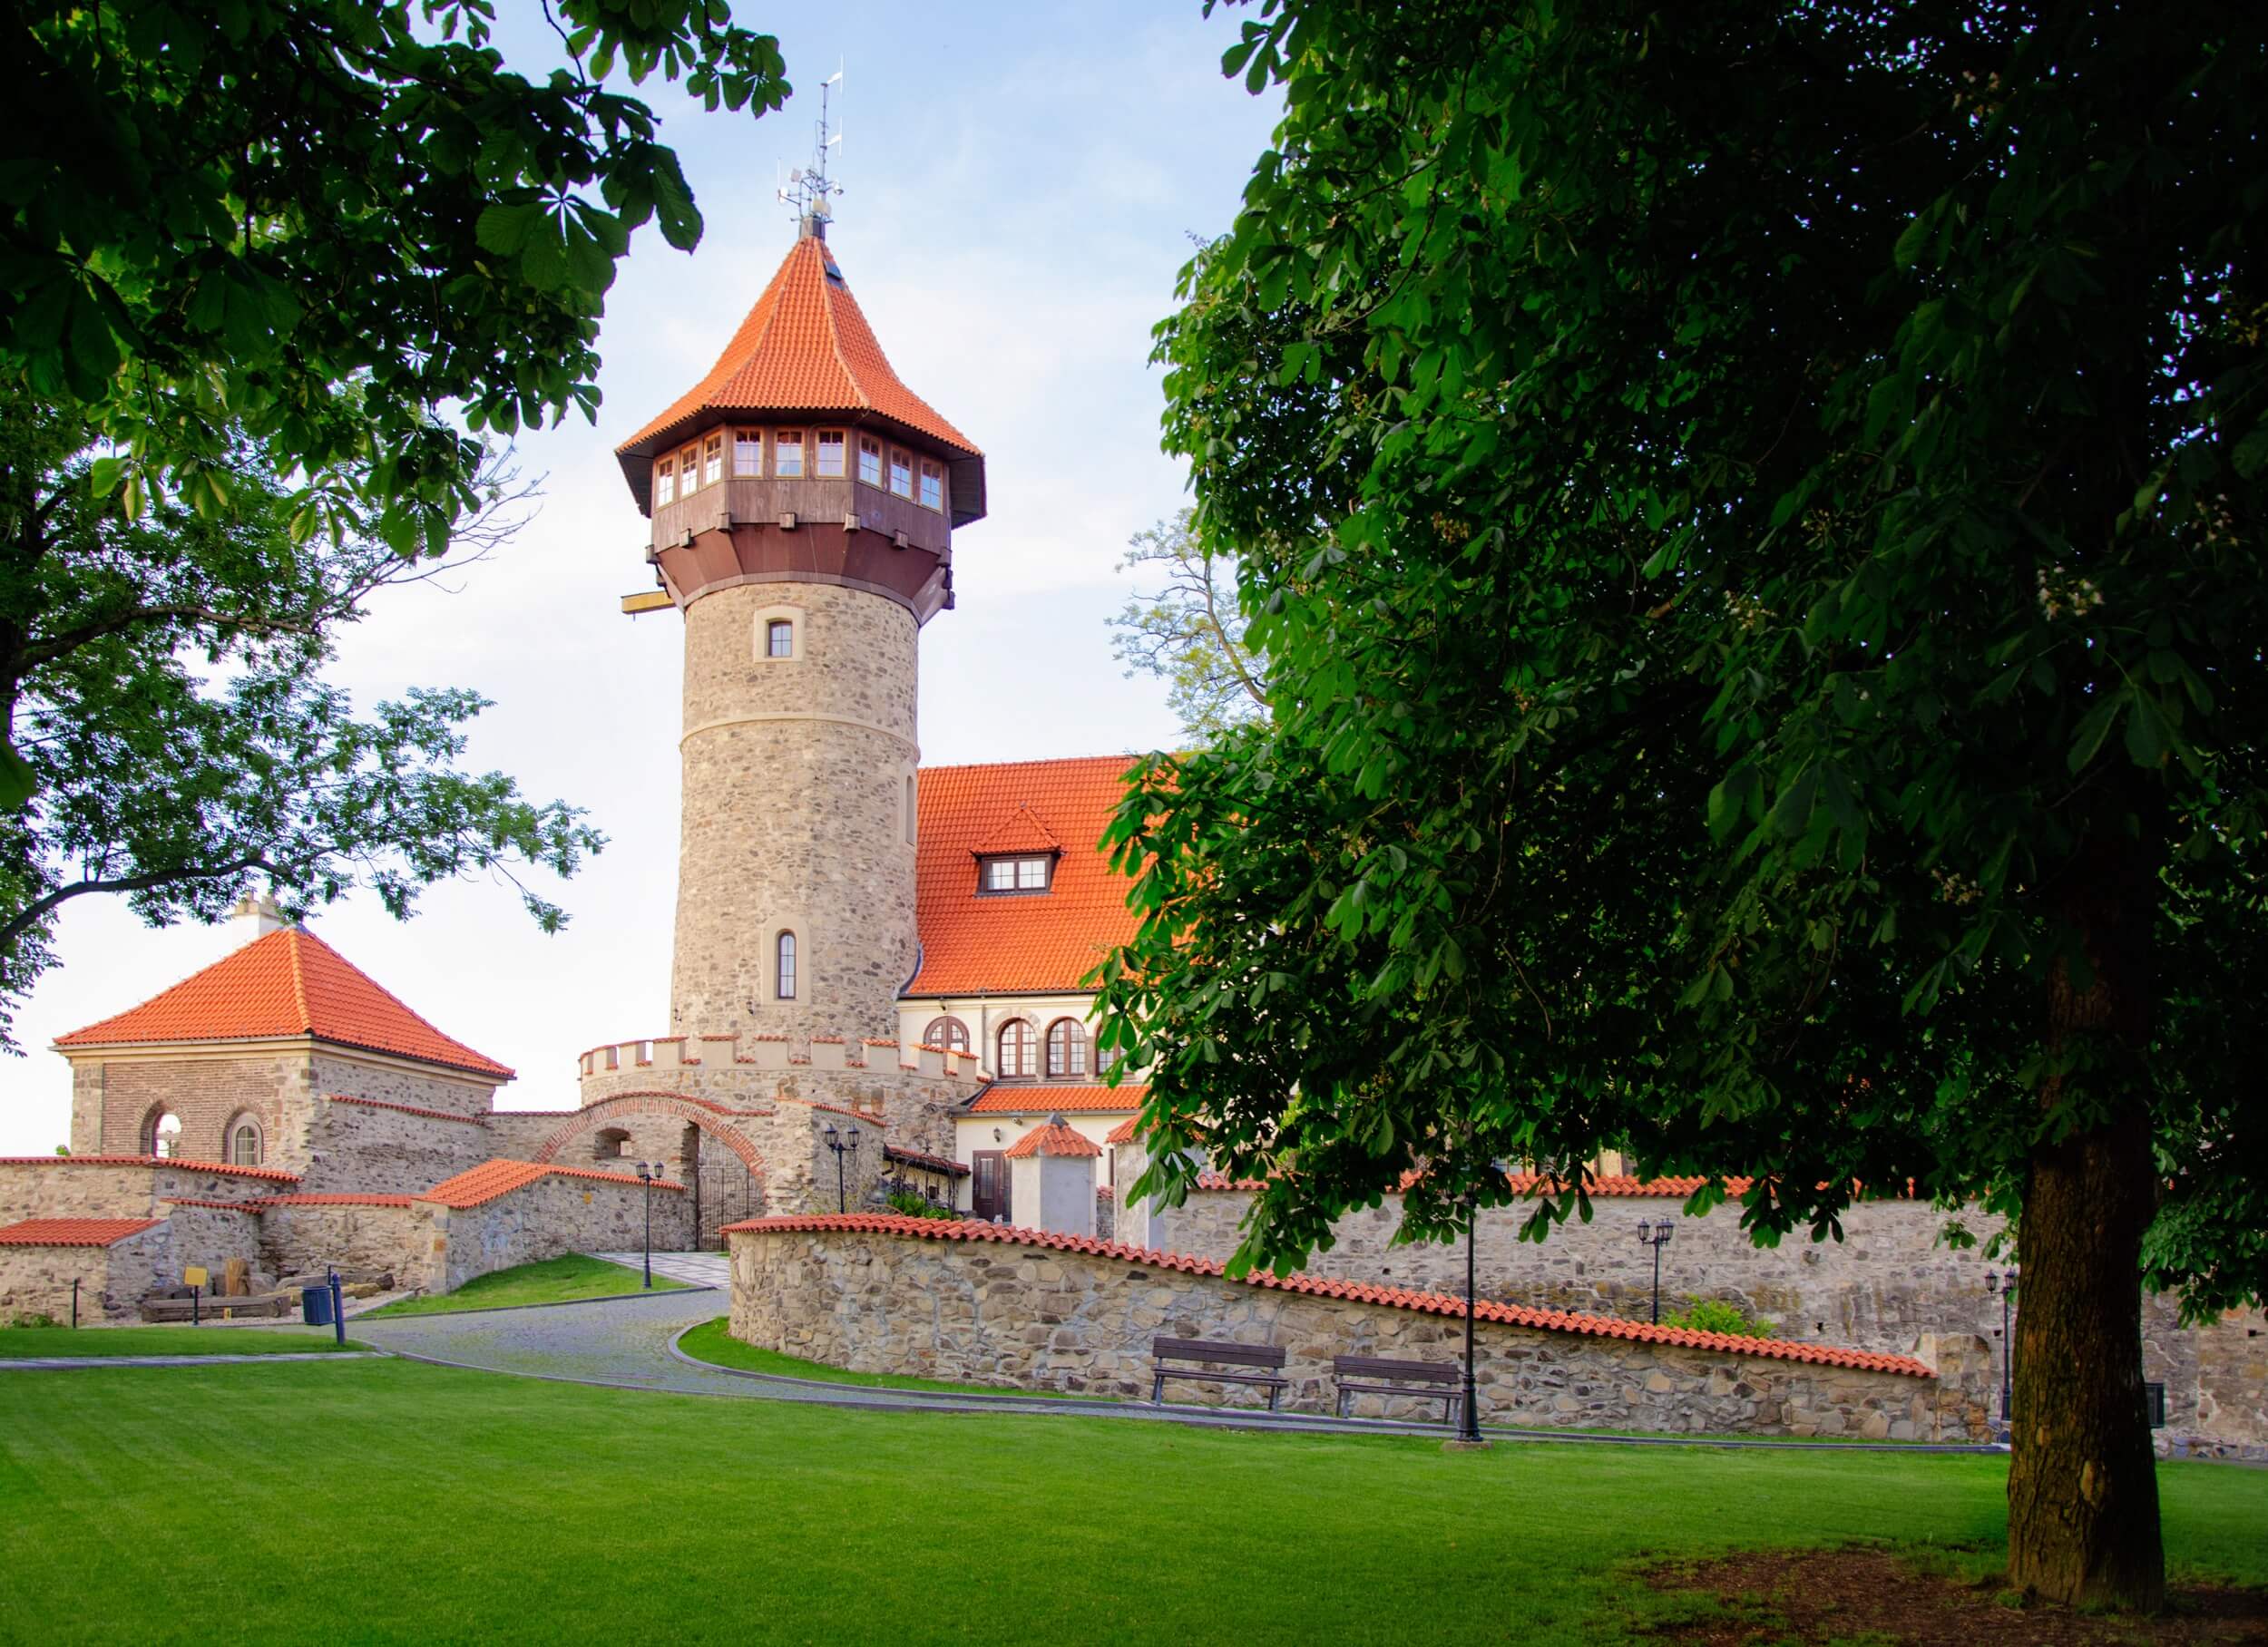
[
  {"x": 1017, "y": 1047},
  {"x": 950, "y": 1033},
  {"x": 164, "y": 1138},
  {"x": 784, "y": 966},
  {"x": 245, "y": 1145},
  {"x": 1067, "y": 1048}
]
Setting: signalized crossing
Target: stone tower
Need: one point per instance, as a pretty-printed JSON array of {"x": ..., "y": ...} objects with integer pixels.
[{"x": 803, "y": 501}]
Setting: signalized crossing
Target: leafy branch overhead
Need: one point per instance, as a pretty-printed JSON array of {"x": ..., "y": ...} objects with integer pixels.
[
  {"x": 162, "y": 677},
  {"x": 1188, "y": 630},
  {"x": 326, "y": 224}
]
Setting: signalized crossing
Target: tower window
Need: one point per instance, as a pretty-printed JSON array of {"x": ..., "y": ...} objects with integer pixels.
[
  {"x": 688, "y": 470},
  {"x": 1030, "y": 874},
  {"x": 784, "y": 966},
  {"x": 1016, "y": 1043},
  {"x": 901, "y": 472},
  {"x": 932, "y": 486},
  {"x": 788, "y": 454},
  {"x": 779, "y": 638},
  {"x": 870, "y": 459},
  {"x": 747, "y": 452},
  {"x": 829, "y": 455},
  {"x": 950, "y": 1033},
  {"x": 1067, "y": 1048},
  {"x": 910, "y": 837},
  {"x": 665, "y": 481},
  {"x": 713, "y": 459}
]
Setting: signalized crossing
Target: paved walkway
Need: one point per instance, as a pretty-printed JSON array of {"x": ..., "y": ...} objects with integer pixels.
[{"x": 694, "y": 1269}]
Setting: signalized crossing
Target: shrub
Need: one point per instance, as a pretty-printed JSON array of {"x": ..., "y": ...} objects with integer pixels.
[
  {"x": 914, "y": 1204},
  {"x": 1716, "y": 1315}
]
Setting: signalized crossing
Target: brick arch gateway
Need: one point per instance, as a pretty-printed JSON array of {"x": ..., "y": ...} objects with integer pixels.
[{"x": 728, "y": 1180}]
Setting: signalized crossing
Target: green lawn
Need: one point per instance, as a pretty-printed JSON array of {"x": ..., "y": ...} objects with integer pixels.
[
  {"x": 709, "y": 1342},
  {"x": 391, "y": 1501},
  {"x": 18, "y": 1343},
  {"x": 555, "y": 1280}
]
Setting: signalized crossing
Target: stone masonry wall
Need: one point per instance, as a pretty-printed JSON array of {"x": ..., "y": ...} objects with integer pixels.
[
  {"x": 115, "y": 1280},
  {"x": 113, "y": 1101},
  {"x": 465, "y": 1095},
  {"x": 1021, "y": 1314},
  {"x": 538, "y": 1220},
  {"x": 364, "y": 1149},
  {"x": 794, "y": 774},
  {"x": 66, "y": 1188},
  {"x": 301, "y": 1239}
]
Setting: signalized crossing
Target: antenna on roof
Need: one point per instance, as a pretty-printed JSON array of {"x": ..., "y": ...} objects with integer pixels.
[{"x": 809, "y": 188}]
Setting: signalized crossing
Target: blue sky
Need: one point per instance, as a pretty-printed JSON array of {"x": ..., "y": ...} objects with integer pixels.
[{"x": 1021, "y": 184}]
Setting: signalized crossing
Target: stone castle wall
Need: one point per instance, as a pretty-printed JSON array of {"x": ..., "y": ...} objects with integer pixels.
[
  {"x": 61, "y": 1187},
  {"x": 113, "y": 1279},
  {"x": 1025, "y": 1313},
  {"x": 301, "y": 1239},
  {"x": 542, "y": 1220},
  {"x": 465, "y": 1096},
  {"x": 794, "y": 774},
  {"x": 382, "y": 1148}
]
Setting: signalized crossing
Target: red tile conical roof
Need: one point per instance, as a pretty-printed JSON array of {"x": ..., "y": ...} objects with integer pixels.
[
  {"x": 288, "y": 983},
  {"x": 806, "y": 348}
]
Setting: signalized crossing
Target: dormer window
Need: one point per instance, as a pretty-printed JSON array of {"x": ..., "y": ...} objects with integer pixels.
[
  {"x": 829, "y": 455},
  {"x": 1023, "y": 873},
  {"x": 902, "y": 472},
  {"x": 747, "y": 452},
  {"x": 870, "y": 459},
  {"x": 788, "y": 454},
  {"x": 665, "y": 481},
  {"x": 932, "y": 486}
]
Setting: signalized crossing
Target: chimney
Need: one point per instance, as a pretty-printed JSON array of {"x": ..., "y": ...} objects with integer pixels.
[{"x": 253, "y": 917}]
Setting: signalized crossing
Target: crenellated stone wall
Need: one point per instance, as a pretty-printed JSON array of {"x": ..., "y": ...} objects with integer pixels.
[{"x": 1018, "y": 1310}]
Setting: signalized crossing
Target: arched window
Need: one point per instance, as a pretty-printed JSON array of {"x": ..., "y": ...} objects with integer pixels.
[
  {"x": 611, "y": 1144},
  {"x": 947, "y": 1032},
  {"x": 165, "y": 1135},
  {"x": 1067, "y": 1048},
  {"x": 1017, "y": 1045},
  {"x": 244, "y": 1142},
  {"x": 784, "y": 966}
]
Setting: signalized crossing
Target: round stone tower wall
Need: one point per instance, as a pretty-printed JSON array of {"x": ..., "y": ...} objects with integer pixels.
[{"x": 797, "y": 779}]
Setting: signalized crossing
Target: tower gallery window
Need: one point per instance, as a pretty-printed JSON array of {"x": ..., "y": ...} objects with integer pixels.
[
  {"x": 665, "y": 481},
  {"x": 788, "y": 454},
  {"x": 932, "y": 486},
  {"x": 901, "y": 472},
  {"x": 829, "y": 455},
  {"x": 747, "y": 452},
  {"x": 870, "y": 459}
]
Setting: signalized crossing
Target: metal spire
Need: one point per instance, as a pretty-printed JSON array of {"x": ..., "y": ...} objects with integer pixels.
[{"x": 809, "y": 188}]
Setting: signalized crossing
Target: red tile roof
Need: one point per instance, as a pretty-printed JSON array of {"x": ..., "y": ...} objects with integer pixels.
[
  {"x": 1528, "y": 1184},
  {"x": 1031, "y": 941},
  {"x": 1098, "y": 1100},
  {"x": 73, "y": 1231},
  {"x": 1396, "y": 1298},
  {"x": 928, "y": 1163},
  {"x": 491, "y": 1179},
  {"x": 265, "y": 1202},
  {"x": 288, "y": 983},
  {"x": 276, "y": 1173},
  {"x": 1019, "y": 831},
  {"x": 1053, "y": 1139},
  {"x": 407, "y": 1109},
  {"x": 806, "y": 346},
  {"x": 1123, "y": 1133}
]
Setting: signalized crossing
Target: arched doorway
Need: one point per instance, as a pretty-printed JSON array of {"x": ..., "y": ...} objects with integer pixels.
[{"x": 712, "y": 1158}]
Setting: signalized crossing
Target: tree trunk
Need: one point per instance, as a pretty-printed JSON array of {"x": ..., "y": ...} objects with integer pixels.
[{"x": 2083, "y": 1511}]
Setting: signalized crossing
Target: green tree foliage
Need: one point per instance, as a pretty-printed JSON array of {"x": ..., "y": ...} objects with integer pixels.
[
  {"x": 1188, "y": 630},
  {"x": 161, "y": 679},
  {"x": 1716, "y": 1315},
  {"x": 327, "y": 222},
  {"x": 1754, "y": 513}
]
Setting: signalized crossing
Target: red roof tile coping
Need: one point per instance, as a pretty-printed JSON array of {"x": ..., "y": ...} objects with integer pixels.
[
  {"x": 1000, "y": 1100},
  {"x": 1123, "y": 1133},
  {"x": 251, "y": 1207},
  {"x": 1052, "y": 1140},
  {"x": 288, "y": 983},
  {"x": 1036, "y": 941},
  {"x": 276, "y": 1173},
  {"x": 806, "y": 346},
  {"x": 73, "y": 1231},
  {"x": 265, "y": 1202},
  {"x": 1528, "y": 1184},
  {"x": 482, "y": 1183},
  {"x": 1396, "y": 1298},
  {"x": 407, "y": 1109}
]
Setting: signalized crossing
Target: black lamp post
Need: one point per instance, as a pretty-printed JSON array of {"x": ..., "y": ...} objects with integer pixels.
[
  {"x": 1469, "y": 1421},
  {"x": 836, "y": 1142},
  {"x": 1657, "y": 1236},
  {"x": 648, "y": 1171},
  {"x": 2006, "y": 1288}
]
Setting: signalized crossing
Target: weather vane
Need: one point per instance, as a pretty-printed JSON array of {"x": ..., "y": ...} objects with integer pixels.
[{"x": 809, "y": 188}]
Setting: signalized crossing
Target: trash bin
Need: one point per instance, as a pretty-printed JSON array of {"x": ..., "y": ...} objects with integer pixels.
[{"x": 315, "y": 1306}]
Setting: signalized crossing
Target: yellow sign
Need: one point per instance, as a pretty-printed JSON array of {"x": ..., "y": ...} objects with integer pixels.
[{"x": 196, "y": 1275}]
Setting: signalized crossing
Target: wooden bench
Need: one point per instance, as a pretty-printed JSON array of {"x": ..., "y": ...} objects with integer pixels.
[
  {"x": 1371, "y": 1375},
  {"x": 1205, "y": 1358}
]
